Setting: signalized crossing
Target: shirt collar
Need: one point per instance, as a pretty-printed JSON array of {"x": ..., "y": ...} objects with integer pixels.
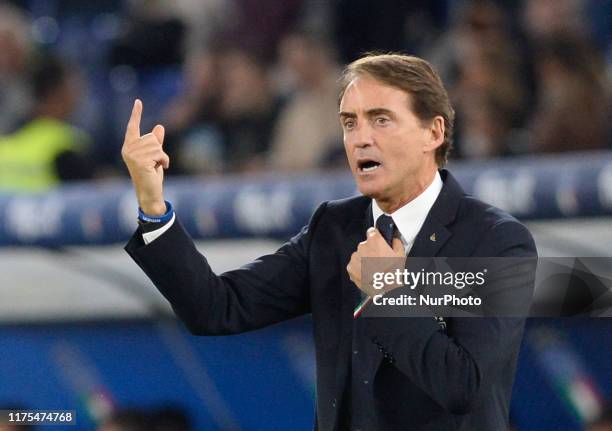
[{"x": 410, "y": 218}]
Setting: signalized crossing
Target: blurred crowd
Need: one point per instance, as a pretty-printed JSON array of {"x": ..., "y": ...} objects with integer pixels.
[{"x": 248, "y": 86}]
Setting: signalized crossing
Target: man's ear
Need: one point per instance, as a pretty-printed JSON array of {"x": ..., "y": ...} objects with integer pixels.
[{"x": 436, "y": 134}]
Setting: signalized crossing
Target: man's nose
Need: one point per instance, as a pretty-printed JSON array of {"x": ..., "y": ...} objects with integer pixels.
[{"x": 362, "y": 136}]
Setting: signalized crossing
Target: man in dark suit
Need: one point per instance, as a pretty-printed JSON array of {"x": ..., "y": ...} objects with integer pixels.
[{"x": 372, "y": 373}]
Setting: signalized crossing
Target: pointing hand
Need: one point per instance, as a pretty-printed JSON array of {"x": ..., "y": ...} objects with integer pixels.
[{"x": 146, "y": 161}]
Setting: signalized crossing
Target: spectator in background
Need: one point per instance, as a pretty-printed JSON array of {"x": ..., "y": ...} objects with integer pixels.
[
  {"x": 154, "y": 36},
  {"x": 481, "y": 59},
  {"x": 550, "y": 18},
  {"x": 385, "y": 25},
  {"x": 491, "y": 100},
  {"x": 573, "y": 111},
  {"x": 15, "y": 47},
  {"x": 258, "y": 26},
  {"x": 47, "y": 149},
  {"x": 225, "y": 118},
  {"x": 204, "y": 21},
  {"x": 296, "y": 145},
  {"x": 248, "y": 110},
  {"x": 193, "y": 138}
]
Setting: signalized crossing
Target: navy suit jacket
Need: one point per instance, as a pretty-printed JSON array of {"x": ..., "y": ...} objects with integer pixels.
[{"x": 424, "y": 377}]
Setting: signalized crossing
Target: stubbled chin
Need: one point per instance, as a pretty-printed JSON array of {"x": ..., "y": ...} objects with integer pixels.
[{"x": 369, "y": 187}]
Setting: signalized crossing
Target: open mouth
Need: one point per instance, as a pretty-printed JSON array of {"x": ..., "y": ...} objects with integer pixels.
[{"x": 367, "y": 165}]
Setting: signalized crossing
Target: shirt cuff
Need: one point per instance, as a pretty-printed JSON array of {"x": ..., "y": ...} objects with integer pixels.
[{"x": 149, "y": 237}]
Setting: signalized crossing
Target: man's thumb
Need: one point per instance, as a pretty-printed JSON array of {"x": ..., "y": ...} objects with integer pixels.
[
  {"x": 372, "y": 231},
  {"x": 159, "y": 133},
  {"x": 397, "y": 245}
]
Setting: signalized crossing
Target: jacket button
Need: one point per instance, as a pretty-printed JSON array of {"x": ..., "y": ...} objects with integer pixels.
[{"x": 334, "y": 403}]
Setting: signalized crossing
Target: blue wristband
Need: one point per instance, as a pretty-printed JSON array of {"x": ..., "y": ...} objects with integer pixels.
[{"x": 160, "y": 219}]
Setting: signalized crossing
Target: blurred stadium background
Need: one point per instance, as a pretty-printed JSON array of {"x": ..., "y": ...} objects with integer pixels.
[{"x": 246, "y": 90}]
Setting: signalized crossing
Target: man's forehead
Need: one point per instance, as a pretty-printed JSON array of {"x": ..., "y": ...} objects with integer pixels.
[{"x": 365, "y": 93}]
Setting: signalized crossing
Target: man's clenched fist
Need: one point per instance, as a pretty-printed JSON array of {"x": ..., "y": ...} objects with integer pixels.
[
  {"x": 146, "y": 161},
  {"x": 375, "y": 246}
]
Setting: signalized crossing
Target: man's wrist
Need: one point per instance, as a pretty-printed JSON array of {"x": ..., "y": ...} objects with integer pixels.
[
  {"x": 154, "y": 209},
  {"x": 146, "y": 217}
]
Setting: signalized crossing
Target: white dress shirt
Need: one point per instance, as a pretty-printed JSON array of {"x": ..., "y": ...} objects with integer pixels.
[{"x": 410, "y": 218}]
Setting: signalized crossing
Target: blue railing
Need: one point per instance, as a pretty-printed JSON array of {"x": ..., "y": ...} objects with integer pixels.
[{"x": 537, "y": 187}]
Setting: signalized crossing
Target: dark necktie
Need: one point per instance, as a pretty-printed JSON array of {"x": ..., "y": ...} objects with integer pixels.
[{"x": 386, "y": 227}]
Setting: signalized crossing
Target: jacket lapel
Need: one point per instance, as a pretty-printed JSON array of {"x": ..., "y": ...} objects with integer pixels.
[
  {"x": 430, "y": 239},
  {"x": 435, "y": 232}
]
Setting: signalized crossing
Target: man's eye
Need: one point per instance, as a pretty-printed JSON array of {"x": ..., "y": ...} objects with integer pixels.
[
  {"x": 381, "y": 121},
  {"x": 349, "y": 124}
]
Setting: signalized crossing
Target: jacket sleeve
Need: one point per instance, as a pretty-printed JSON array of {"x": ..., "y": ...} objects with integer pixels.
[
  {"x": 453, "y": 366},
  {"x": 268, "y": 290}
]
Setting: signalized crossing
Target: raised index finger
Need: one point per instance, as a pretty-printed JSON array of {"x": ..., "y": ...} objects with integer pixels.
[{"x": 132, "y": 131}]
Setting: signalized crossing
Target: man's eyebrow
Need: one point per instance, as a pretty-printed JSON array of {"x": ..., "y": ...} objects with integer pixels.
[
  {"x": 377, "y": 111},
  {"x": 370, "y": 113}
]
